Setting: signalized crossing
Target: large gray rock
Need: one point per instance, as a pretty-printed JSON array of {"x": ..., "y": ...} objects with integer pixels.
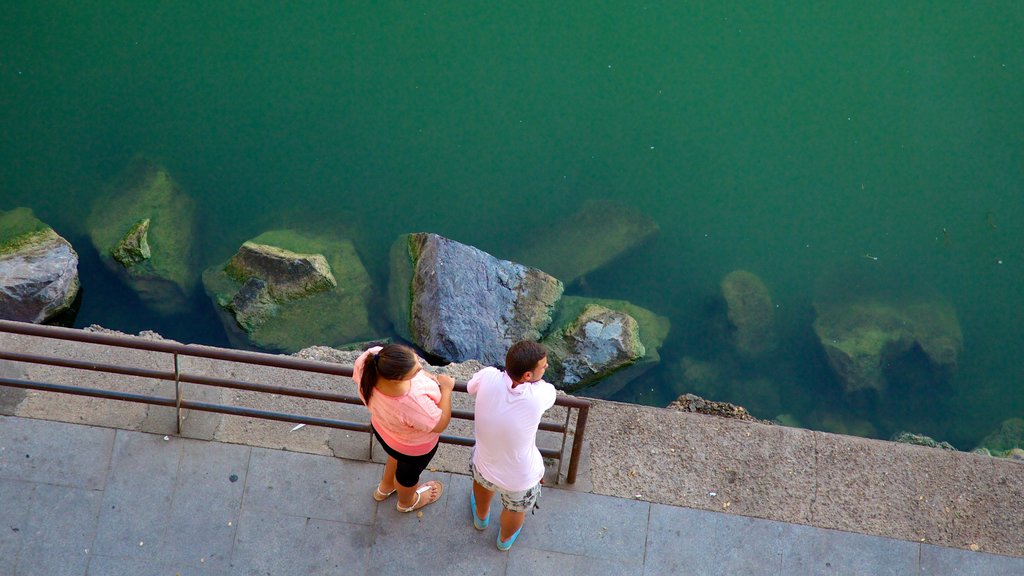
[
  {"x": 594, "y": 236},
  {"x": 285, "y": 291},
  {"x": 144, "y": 226},
  {"x": 751, "y": 313},
  {"x": 38, "y": 269},
  {"x": 861, "y": 337},
  {"x": 460, "y": 303},
  {"x": 602, "y": 345}
]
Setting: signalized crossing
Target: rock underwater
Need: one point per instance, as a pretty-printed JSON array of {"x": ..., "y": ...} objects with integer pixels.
[
  {"x": 285, "y": 290},
  {"x": 598, "y": 233},
  {"x": 601, "y": 345},
  {"x": 460, "y": 303},
  {"x": 38, "y": 269},
  {"x": 143, "y": 227},
  {"x": 861, "y": 336},
  {"x": 751, "y": 313}
]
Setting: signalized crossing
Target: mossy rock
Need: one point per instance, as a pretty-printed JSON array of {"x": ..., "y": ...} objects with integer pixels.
[
  {"x": 20, "y": 228},
  {"x": 256, "y": 314},
  {"x": 144, "y": 227},
  {"x": 38, "y": 270},
  {"x": 597, "y": 234},
  {"x": 652, "y": 330},
  {"x": 1008, "y": 437}
]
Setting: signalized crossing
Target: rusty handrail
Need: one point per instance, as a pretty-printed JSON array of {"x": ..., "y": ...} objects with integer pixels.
[{"x": 255, "y": 358}]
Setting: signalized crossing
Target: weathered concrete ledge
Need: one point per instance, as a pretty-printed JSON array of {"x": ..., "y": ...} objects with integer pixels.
[{"x": 792, "y": 475}]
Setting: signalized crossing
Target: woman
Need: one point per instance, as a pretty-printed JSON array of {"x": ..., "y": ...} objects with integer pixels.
[{"x": 409, "y": 408}]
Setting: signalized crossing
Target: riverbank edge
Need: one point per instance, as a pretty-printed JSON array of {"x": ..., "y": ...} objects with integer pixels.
[{"x": 874, "y": 487}]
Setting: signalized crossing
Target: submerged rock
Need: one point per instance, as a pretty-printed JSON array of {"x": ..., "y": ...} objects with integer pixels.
[
  {"x": 285, "y": 291},
  {"x": 861, "y": 337},
  {"x": 596, "y": 235},
  {"x": 459, "y": 303},
  {"x": 602, "y": 345},
  {"x": 920, "y": 440},
  {"x": 1002, "y": 442},
  {"x": 698, "y": 405},
  {"x": 38, "y": 269},
  {"x": 751, "y": 313},
  {"x": 143, "y": 227}
]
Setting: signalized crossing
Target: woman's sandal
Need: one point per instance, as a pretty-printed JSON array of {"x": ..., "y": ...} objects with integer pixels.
[
  {"x": 421, "y": 502},
  {"x": 380, "y": 496}
]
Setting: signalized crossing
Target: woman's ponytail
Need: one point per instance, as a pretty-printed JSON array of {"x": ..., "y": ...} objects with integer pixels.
[
  {"x": 392, "y": 362},
  {"x": 369, "y": 377}
]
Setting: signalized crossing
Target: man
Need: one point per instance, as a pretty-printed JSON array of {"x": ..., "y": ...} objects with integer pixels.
[{"x": 509, "y": 406}]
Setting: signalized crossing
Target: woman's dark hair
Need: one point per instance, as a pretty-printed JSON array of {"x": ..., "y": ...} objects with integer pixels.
[
  {"x": 523, "y": 357},
  {"x": 392, "y": 362}
]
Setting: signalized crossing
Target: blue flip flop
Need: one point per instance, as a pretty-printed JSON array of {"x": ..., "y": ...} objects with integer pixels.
[
  {"x": 477, "y": 522},
  {"x": 503, "y": 546}
]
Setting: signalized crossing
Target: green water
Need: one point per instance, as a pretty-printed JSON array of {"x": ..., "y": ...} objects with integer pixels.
[{"x": 788, "y": 141}]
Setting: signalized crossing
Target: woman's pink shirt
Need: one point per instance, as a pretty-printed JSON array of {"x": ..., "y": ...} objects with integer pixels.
[{"x": 404, "y": 422}]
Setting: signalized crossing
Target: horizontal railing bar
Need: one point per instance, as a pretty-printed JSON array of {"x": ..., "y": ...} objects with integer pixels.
[
  {"x": 219, "y": 382},
  {"x": 222, "y": 409},
  {"x": 244, "y": 357}
]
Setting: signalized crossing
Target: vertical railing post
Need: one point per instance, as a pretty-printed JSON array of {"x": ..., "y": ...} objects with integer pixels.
[
  {"x": 177, "y": 393},
  {"x": 565, "y": 436},
  {"x": 577, "y": 444}
]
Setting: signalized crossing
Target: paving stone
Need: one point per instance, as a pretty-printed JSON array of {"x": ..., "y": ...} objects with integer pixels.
[
  {"x": 137, "y": 501},
  {"x": 939, "y": 560},
  {"x": 54, "y": 452},
  {"x": 807, "y": 550},
  {"x": 112, "y": 566},
  {"x": 60, "y": 530},
  {"x": 406, "y": 543},
  {"x": 279, "y": 544},
  {"x": 311, "y": 486},
  {"x": 587, "y": 525},
  {"x": 469, "y": 551},
  {"x": 685, "y": 541},
  {"x": 206, "y": 506},
  {"x": 16, "y": 499},
  {"x": 530, "y": 562}
]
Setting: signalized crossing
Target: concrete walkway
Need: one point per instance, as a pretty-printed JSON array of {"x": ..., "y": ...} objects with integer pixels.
[{"x": 87, "y": 500}]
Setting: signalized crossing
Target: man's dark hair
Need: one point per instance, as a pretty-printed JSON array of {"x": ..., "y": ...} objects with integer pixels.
[{"x": 523, "y": 357}]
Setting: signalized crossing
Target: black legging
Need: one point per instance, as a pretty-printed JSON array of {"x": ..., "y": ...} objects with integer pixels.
[{"x": 409, "y": 467}]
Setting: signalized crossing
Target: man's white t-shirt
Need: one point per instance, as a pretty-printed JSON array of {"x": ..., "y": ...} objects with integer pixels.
[{"x": 506, "y": 428}]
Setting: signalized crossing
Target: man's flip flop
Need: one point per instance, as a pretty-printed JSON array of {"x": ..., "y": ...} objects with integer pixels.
[
  {"x": 477, "y": 522},
  {"x": 503, "y": 546},
  {"x": 380, "y": 496},
  {"x": 420, "y": 502}
]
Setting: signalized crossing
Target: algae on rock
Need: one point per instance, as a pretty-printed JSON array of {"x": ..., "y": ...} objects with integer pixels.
[
  {"x": 143, "y": 227},
  {"x": 600, "y": 345},
  {"x": 38, "y": 269},
  {"x": 286, "y": 290},
  {"x": 594, "y": 236}
]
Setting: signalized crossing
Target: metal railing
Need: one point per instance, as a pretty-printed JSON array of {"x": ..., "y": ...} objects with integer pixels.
[{"x": 179, "y": 402}]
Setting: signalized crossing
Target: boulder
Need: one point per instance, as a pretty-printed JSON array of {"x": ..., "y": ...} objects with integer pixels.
[
  {"x": 143, "y": 227},
  {"x": 459, "y": 303},
  {"x": 920, "y": 440},
  {"x": 285, "y": 291},
  {"x": 38, "y": 269},
  {"x": 597, "y": 234},
  {"x": 751, "y": 313},
  {"x": 861, "y": 337},
  {"x": 698, "y": 405},
  {"x": 601, "y": 345}
]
